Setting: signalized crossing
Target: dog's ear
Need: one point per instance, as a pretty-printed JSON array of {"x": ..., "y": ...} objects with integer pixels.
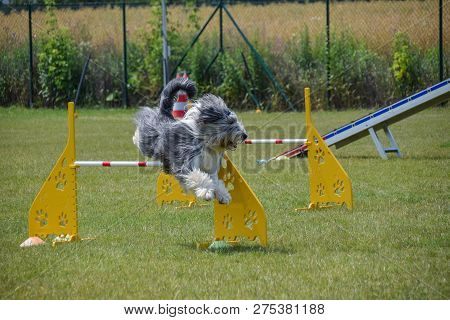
[
  {"x": 212, "y": 109},
  {"x": 210, "y": 114}
]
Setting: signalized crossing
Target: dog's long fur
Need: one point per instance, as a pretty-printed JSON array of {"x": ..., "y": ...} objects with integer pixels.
[{"x": 191, "y": 148}]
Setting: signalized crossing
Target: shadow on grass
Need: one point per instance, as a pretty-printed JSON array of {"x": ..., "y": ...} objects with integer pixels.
[
  {"x": 241, "y": 248},
  {"x": 359, "y": 157}
]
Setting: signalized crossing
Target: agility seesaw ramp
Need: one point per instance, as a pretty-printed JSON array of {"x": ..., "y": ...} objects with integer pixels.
[
  {"x": 54, "y": 213},
  {"x": 380, "y": 119}
]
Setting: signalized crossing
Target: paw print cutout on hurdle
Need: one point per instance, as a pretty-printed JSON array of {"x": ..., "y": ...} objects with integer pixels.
[
  {"x": 61, "y": 180},
  {"x": 167, "y": 186},
  {"x": 250, "y": 219},
  {"x": 63, "y": 221},
  {"x": 319, "y": 156},
  {"x": 316, "y": 140},
  {"x": 229, "y": 181},
  {"x": 320, "y": 190},
  {"x": 338, "y": 187},
  {"x": 227, "y": 221},
  {"x": 41, "y": 217}
]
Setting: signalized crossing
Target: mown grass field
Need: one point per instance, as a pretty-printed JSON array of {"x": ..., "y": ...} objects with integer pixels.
[
  {"x": 393, "y": 245},
  {"x": 375, "y": 22}
]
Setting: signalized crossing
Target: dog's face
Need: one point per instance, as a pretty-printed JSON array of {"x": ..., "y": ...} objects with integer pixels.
[{"x": 217, "y": 124}]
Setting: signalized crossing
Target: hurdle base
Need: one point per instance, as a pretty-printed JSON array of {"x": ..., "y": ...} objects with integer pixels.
[
  {"x": 191, "y": 205},
  {"x": 55, "y": 240},
  {"x": 206, "y": 245},
  {"x": 65, "y": 239}
]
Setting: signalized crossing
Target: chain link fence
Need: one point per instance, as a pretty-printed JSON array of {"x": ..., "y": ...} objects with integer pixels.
[{"x": 254, "y": 55}]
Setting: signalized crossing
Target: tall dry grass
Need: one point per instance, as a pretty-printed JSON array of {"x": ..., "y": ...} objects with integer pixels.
[{"x": 375, "y": 22}]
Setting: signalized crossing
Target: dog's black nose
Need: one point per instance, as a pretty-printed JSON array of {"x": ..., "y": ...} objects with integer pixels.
[{"x": 244, "y": 136}]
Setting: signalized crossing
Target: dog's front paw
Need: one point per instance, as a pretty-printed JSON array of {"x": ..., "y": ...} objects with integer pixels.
[
  {"x": 223, "y": 197},
  {"x": 204, "y": 193},
  {"x": 222, "y": 193}
]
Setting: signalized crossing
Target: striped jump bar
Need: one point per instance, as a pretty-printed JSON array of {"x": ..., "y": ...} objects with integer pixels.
[
  {"x": 274, "y": 141},
  {"x": 118, "y": 163}
]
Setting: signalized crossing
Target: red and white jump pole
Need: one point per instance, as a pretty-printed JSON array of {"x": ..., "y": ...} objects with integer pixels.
[
  {"x": 274, "y": 141},
  {"x": 101, "y": 163},
  {"x": 117, "y": 163}
]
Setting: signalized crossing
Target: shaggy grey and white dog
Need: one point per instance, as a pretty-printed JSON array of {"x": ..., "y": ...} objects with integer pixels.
[{"x": 192, "y": 148}]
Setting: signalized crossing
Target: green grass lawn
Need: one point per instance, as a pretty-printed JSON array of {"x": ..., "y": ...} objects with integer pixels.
[{"x": 393, "y": 245}]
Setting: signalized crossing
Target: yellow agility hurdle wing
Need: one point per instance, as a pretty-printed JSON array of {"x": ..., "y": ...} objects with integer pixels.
[
  {"x": 244, "y": 216},
  {"x": 54, "y": 210},
  {"x": 168, "y": 190},
  {"x": 329, "y": 184}
]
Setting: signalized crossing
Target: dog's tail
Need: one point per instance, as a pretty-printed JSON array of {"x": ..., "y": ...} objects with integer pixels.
[
  {"x": 170, "y": 91},
  {"x": 151, "y": 123},
  {"x": 148, "y": 131}
]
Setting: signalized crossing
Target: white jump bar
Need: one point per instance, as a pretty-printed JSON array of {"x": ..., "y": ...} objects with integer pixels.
[
  {"x": 117, "y": 163},
  {"x": 274, "y": 141}
]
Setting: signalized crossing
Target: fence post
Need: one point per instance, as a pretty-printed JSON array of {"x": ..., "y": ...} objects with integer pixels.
[
  {"x": 30, "y": 43},
  {"x": 166, "y": 71},
  {"x": 221, "y": 25},
  {"x": 125, "y": 61},
  {"x": 441, "y": 53},
  {"x": 328, "y": 52}
]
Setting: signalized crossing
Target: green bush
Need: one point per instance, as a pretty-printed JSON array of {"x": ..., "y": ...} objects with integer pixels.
[
  {"x": 227, "y": 76},
  {"x": 232, "y": 85},
  {"x": 58, "y": 62},
  {"x": 263, "y": 87},
  {"x": 146, "y": 57},
  {"x": 198, "y": 60},
  {"x": 146, "y": 61},
  {"x": 104, "y": 80},
  {"x": 430, "y": 66},
  {"x": 406, "y": 65},
  {"x": 306, "y": 69},
  {"x": 357, "y": 75}
]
